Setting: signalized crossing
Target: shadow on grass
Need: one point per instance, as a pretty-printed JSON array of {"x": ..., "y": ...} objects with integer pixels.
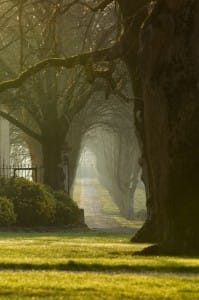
[
  {"x": 75, "y": 234},
  {"x": 75, "y": 266}
]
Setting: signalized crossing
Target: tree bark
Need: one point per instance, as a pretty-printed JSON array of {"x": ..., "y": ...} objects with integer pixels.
[
  {"x": 134, "y": 14},
  {"x": 52, "y": 163},
  {"x": 169, "y": 52}
]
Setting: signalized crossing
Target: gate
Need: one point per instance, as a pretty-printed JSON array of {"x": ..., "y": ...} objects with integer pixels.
[{"x": 26, "y": 171}]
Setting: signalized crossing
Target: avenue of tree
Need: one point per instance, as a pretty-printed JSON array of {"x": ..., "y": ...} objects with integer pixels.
[
  {"x": 56, "y": 102},
  {"x": 157, "y": 41}
]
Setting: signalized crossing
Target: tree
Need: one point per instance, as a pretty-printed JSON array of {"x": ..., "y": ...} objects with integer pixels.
[
  {"x": 57, "y": 95},
  {"x": 170, "y": 76},
  {"x": 101, "y": 126},
  {"x": 132, "y": 15},
  {"x": 43, "y": 109},
  {"x": 109, "y": 133}
]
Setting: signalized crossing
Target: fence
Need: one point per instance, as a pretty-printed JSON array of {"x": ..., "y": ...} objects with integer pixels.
[{"x": 32, "y": 173}]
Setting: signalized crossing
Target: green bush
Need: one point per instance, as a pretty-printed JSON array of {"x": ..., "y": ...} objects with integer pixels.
[
  {"x": 67, "y": 211},
  {"x": 7, "y": 214},
  {"x": 38, "y": 205},
  {"x": 3, "y": 184},
  {"x": 33, "y": 204}
]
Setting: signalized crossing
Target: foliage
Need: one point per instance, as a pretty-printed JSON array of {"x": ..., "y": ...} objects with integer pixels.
[
  {"x": 33, "y": 204},
  {"x": 7, "y": 214},
  {"x": 67, "y": 211},
  {"x": 38, "y": 205},
  {"x": 3, "y": 186}
]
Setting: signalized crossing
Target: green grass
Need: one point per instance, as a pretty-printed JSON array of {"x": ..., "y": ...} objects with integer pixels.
[
  {"x": 87, "y": 286},
  {"x": 139, "y": 199},
  {"x": 110, "y": 208},
  {"x": 90, "y": 266}
]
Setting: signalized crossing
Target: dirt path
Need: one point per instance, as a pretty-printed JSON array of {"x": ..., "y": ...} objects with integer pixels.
[{"x": 94, "y": 216}]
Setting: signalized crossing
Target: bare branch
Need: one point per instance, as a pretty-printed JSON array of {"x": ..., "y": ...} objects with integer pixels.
[
  {"x": 68, "y": 6},
  {"x": 21, "y": 34},
  {"x": 107, "y": 54},
  {"x": 21, "y": 126},
  {"x": 100, "y": 6}
]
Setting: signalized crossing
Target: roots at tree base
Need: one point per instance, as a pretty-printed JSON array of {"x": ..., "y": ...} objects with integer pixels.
[
  {"x": 168, "y": 250},
  {"x": 146, "y": 234}
]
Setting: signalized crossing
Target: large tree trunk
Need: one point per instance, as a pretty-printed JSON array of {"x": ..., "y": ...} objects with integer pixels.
[
  {"x": 169, "y": 54},
  {"x": 54, "y": 174},
  {"x": 170, "y": 64},
  {"x": 134, "y": 14}
]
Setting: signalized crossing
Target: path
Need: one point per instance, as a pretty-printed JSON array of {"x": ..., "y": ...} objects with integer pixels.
[{"x": 95, "y": 217}]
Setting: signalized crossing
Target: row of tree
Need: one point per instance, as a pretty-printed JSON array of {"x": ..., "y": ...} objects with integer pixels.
[{"x": 64, "y": 105}]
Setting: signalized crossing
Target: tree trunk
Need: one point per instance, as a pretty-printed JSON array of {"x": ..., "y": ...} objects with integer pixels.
[
  {"x": 148, "y": 232},
  {"x": 36, "y": 156},
  {"x": 124, "y": 201},
  {"x": 134, "y": 14},
  {"x": 54, "y": 175},
  {"x": 170, "y": 64}
]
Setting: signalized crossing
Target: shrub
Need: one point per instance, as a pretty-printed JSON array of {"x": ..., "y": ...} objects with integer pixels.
[
  {"x": 7, "y": 214},
  {"x": 67, "y": 211},
  {"x": 33, "y": 204},
  {"x": 38, "y": 205},
  {"x": 3, "y": 183}
]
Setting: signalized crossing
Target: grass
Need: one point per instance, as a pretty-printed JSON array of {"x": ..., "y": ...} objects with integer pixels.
[
  {"x": 139, "y": 199},
  {"x": 110, "y": 208},
  {"x": 90, "y": 266}
]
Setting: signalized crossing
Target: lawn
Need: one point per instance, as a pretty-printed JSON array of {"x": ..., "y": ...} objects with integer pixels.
[{"x": 90, "y": 266}]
